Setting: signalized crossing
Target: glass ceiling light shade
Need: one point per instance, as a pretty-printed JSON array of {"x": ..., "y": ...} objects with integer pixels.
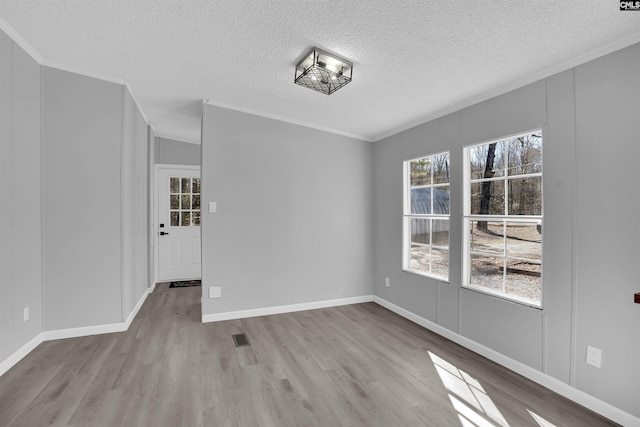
[{"x": 323, "y": 72}]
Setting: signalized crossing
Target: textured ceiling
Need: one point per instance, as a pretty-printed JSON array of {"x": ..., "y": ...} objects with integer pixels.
[{"x": 413, "y": 59}]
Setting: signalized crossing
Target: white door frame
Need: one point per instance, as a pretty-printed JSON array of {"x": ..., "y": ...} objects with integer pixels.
[{"x": 156, "y": 212}]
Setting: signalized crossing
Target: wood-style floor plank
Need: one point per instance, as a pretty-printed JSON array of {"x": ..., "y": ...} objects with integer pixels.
[{"x": 357, "y": 365}]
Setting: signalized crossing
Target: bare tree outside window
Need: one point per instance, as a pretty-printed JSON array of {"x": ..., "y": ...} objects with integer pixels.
[
  {"x": 503, "y": 217},
  {"x": 485, "y": 197}
]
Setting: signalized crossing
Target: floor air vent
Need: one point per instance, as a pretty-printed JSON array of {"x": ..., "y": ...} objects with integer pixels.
[{"x": 240, "y": 340}]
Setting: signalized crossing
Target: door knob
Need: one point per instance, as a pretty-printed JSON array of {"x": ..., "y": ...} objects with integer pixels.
[{"x": 162, "y": 233}]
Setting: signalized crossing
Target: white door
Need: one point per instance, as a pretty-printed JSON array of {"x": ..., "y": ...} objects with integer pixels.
[{"x": 178, "y": 223}]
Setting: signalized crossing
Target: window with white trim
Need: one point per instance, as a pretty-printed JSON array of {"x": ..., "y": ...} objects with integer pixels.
[
  {"x": 426, "y": 216},
  {"x": 184, "y": 201},
  {"x": 503, "y": 218}
]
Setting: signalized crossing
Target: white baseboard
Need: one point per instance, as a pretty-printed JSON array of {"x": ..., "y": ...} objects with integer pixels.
[
  {"x": 8, "y": 363},
  {"x": 97, "y": 329},
  {"x": 84, "y": 331},
  {"x": 241, "y": 314},
  {"x": 563, "y": 389},
  {"x": 136, "y": 309}
]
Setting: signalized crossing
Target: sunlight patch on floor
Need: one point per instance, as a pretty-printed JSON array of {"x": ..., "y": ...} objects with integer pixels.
[
  {"x": 541, "y": 421},
  {"x": 468, "y": 397}
]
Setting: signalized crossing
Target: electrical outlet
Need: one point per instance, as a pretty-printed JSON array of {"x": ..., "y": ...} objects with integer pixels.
[
  {"x": 386, "y": 282},
  {"x": 594, "y": 356},
  {"x": 215, "y": 292},
  {"x": 25, "y": 313}
]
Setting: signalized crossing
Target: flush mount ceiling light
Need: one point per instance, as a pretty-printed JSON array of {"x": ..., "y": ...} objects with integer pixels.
[{"x": 323, "y": 72}]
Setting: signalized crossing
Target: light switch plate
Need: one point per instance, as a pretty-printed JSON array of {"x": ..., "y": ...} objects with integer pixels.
[
  {"x": 213, "y": 207},
  {"x": 215, "y": 292}
]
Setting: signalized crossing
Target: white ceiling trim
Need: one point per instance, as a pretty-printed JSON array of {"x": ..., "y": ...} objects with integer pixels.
[
  {"x": 532, "y": 78},
  {"x": 186, "y": 130},
  {"x": 20, "y": 41},
  {"x": 24, "y": 44},
  {"x": 37, "y": 56},
  {"x": 31, "y": 51},
  {"x": 175, "y": 137},
  {"x": 74, "y": 70},
  {"x": 135, "y": 101},
  {"x": 287, "y": 120}
]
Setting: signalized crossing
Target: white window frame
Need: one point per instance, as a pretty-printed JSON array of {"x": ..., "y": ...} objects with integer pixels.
[
  {"x": 407, "y": 216},
  {"x": 467, "y": 219}
]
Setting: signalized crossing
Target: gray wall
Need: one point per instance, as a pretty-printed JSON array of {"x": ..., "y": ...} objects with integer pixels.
[
  {"x": 590, "y": 117},
  {"x": 95, "y": 195},
  {"x": 134, "y": 193},
  {"x": 151, "y": 255},
  {"x": 294, "y": 220},
  {"x": 82, "y": 122},
  {"x": 607, "y": 251},
  {"x": 172, "y": 152},
  {"x": 20, "y": 184},
  {"x": 74, "y": 186}
]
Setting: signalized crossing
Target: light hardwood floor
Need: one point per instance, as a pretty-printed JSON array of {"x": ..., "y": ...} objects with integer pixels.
[{"x": 353, "y": 365}]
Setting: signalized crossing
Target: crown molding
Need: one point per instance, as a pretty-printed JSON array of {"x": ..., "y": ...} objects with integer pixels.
[
  {"x": 91, "y": 74},
  {"x": 42, "y": 61},
  {"x": 287, "y": 120},
  {"x": 135, "y": 101},
  {"x": 175, "y": 136},
  {"x": 20, "y": 41},
  {"x": 531, "y": 78}
]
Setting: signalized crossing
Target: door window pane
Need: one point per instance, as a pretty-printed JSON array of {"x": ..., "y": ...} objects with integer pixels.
[
  {"x": 174, "y": 185},
  {"x": 186, "y": 185},
  {"x": 186, "y": 201},
  {"x": 175, "y": 219},
  {"x": 175, "y": 201},
  {"x": 186, "y": 219}
]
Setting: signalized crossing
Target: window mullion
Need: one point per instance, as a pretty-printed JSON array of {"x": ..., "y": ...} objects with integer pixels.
[
  {"x": 504, "y": 256},
  {"x": 431, "y": 237}
]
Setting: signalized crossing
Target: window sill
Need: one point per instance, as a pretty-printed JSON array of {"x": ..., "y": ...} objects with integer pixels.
[
  {"x": 422, "y": 274},
  {"x": 505, "y": 297}
]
